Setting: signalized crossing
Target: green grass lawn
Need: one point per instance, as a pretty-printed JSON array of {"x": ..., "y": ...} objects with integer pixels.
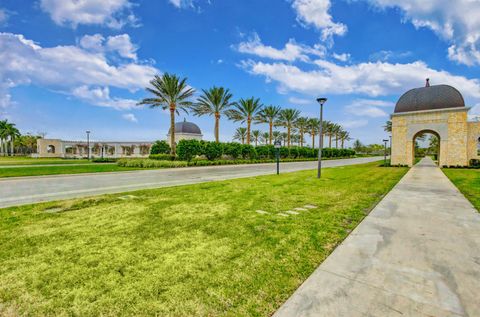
[
  {"x": 467, "y": 181},
  {"x": 22, "y": 160},
  {"x": 196, "y": 250},
  {"x": 62, "y": 169}
]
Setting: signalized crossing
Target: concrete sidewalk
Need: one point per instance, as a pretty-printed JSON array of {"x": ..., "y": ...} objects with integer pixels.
[{"x": 416, "y": 254}]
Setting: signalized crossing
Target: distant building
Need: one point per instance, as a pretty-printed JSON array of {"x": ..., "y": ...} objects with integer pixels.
[
  {"x": 79, "y": 149},
  {"x": 186, "y": 131}
]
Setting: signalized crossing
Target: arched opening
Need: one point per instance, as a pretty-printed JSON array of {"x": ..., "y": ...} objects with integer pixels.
[
  {"x": 426, "y": 143},
  {"x": 478, "y": 146},
  {"x": 51, "y": 149}
]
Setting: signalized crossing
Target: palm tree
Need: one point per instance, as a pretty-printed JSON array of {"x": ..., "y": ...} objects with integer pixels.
[
  {"x": 3, "y": 136},
  {"x": 245, "y": 110},
  {"x": 313, "y": 126},
  {"x": 302, "y": 125},
  {"x": 284, "y": 137},
  {"x": 344, "y": 136},
  {"x": 336, "y": 132},
  {"x": 277, "y": 135},
  {"x": 240, "y": 135},
  {"x": 12, "y": 133},
  {"x": 214, "y": 101},
  {"x": 172, "y": 93},
  {"x": 256, "y": 136},
  {"x": 286, "y": 119},
  {"x": 268, "y": 115},
  {"x": 388, "y": 126},
  {"x": 265, "y": 137},
  {"x": 330, "y": 131}
]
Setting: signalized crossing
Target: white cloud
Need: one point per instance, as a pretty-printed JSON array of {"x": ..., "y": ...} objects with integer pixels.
[
  {"x": 291, "y": 52},
  {"x": 112, "y": 13},
  {"x": 316, "y": 13},
  {"x": 341, "y": 57},
  {"x": 69, "y": 69},
  {"x": 368, "y": 108},
  {"x": 121, "y": 44},
  {"x": 371, "y": 79},
  {"x": 455, "y": 21},
  {"x": 386, "y": 55},
  {"x": 182, "y": 4},
  {"x": 130, "y": 117},
  {"x": 353, "y": 124},
  {"x": 300, "y": 101},
  {"x": 3, "y": 16}
]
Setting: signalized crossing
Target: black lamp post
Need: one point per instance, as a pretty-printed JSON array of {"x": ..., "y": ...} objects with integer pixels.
[
  {"x": 277, "y": 146},
  {"x": 88, "y": 145},
  {"x": 321, "y": 101},
  {"x": 385, "y": 153}
]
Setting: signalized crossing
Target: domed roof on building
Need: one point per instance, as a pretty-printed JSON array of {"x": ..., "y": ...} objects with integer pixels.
[
  {"x": 430, "y": 98},
  {"x": 187, "y": 127}
]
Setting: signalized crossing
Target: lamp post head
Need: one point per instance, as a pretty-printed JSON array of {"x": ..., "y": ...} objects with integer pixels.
[
  {"x": 385, "y": 140},
  {"x": 88, "y": 132},
  {"x": 277, "y": 144},
  {"x": 321, "y": 101}
]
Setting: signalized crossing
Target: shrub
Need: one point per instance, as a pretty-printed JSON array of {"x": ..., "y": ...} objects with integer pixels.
[
  {"x": 160, "y": 147},
  {"x": 475, "y": 163},
  {"x": 284, "y": 152},
  {"x": 213, "y": 150},
  {"x": 104, "y": 160},
  {"x": 233, "y": 149},
  {"x": 248, "y": 152},
  {"x": 148, "y": 163},
  {"x": 265, "y": 151},
  {"x": 294, "y": 152},
  {"x": 162, "y": 157},
  {"x": 188, "y": 149}
]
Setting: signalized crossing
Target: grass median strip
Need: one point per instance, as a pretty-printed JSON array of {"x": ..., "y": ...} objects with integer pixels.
[
  {"x": 201, "y": 249},
  {"x": 62, "y": 169},
  {"x": 467, "y": 181}
]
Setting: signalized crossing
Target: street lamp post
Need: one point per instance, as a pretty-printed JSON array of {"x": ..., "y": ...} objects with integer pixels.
[
  {"x": 385, "y": 153},
  {"x": 277, "y": 146},
  {"x": 321, "y": 101},
  {"x": 88, "y": 145}
]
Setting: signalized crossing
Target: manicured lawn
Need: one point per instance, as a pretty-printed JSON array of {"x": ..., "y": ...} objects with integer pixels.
[
  {"x": 62, "y": 169},
  {"x": 196, "y": 250},
  {"x": 21, "y": 160},
  {"x": 467, "y": 181}
]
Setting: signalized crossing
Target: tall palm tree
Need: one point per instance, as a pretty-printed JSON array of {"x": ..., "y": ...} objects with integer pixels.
[
  {"x": 344, "y": 136},
  {"x": 336, "y": 132},
  {"x": 240, "y": 135},
  {"x": 313, "y": 125},
  {"x": 388, "y": 126},
  {"x": 256, "y": 136},
  {"x": 265, "y": 137},
  {"x": 245, "y": 110},
  {"x": 277, "y": 135},
  {"x": 214, "y": 101},
  {"x": 286, "y": 118},
  {"x": 172, "y": 93},
  {"x": 268, "y": 115},
  {"x": 331, "y": 130},
  {"x": 302, "y": 125},
  {"x": 284, "y": 137},
  {"x": 3, "y": 136}
]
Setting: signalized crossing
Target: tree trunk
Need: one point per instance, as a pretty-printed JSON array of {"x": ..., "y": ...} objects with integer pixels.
[
  {"x": 11, "y": 145},
  {"x": 288, "y": 136},
  {"x": 256, "y": 141},
  {"x": 330, "y": 141},
  {"x": 271, "y": 132},
  {"x": 301, "y": 138},
  {"x": 217, "y": 121},
  {"x": 313, "y": 140},
  {"x": 249, "y": 122},
  {"x": 343, "y": 140},
  {"x": 336, "y": 141},
  {"x": 173, "y": 146}
]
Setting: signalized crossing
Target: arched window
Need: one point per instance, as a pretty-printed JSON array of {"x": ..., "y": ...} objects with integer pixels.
[{"x": 51, "y": 149}]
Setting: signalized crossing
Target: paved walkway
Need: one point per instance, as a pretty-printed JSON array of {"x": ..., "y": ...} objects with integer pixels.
[
  {"x": 24, "y": 190},
  {"x": 416, "y": 254}
]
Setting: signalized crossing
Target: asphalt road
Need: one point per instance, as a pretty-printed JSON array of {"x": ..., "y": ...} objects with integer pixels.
[{"x": 26, "y": 190}]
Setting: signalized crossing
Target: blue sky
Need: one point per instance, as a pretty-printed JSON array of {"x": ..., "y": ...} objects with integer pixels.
[{"x": 67, "y": 66}]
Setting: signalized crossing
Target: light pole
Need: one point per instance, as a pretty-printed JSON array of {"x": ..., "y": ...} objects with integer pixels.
[
  {"x": 321, "y": 101},
  {"x": 277, "y": 146},
  {"x": 88, "y": 144},
  {"x": 385, "y": 153}
]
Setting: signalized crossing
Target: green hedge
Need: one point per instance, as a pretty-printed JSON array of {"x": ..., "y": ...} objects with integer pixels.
[
  {"x": 188, "y": 149},
  {"x": 149, "y": 163},
  {"x": 162, "y": 157}
]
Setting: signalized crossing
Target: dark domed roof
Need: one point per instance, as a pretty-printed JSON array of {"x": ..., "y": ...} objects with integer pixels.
[
  {"x": 430, "y": 98},
  {"x": 187, "y": 127}
]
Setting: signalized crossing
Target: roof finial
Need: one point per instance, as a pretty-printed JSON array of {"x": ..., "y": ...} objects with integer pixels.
[{"x": 427, "y": 84}]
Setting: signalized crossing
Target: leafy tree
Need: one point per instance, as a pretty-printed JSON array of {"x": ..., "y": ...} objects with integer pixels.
[
  {"x": 214, "y": 102},
  {"x": 268, "y": 115},
  {"x": 357, "y": 146},
  {"x": 160, "y": 147},
  {"x": 286, "y": 118},
  {"x": 245, "y": 110},
  {"x": 172, "y": 93}
]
